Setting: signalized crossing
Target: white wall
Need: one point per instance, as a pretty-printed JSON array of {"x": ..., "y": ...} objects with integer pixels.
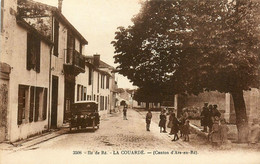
[
  {"x": 57, "y": 70},
  {"x": 20, "y": 75},
  {"x": 82, "y": 79}
]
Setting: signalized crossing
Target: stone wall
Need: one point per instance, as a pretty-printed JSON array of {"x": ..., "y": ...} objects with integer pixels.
[{"x": 4, "y": 85}]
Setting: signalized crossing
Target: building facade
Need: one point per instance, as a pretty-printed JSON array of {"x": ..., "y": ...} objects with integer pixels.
[
  {"x": 41, "y": 55},
  {"x": 28, "y": 88},
  {"x": 96, "y": 84}
]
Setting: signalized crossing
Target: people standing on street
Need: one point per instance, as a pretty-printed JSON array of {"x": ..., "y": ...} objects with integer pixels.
[
  {"x": 210, "y": 118},
  {"x": 215, "y": 134},
  {"x": 162, "y": 123},
  {"x": 169, "y": 125},
  {"x": 148, "y": 119},
  {"x": 254, "y": 132},
  {"x": 181, "y": 124},
  {"x": 223, "y": 131},
  {"x": 204, "y": 117},
  {"x": 124, "y": 112},
  {"x": 215, "y": 111},
  {"x": 186, "y": 130},
  {"x": 175, "y": 127}
]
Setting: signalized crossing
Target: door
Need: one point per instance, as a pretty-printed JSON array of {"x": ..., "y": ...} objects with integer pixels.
[{"x": 54, "y": 101}]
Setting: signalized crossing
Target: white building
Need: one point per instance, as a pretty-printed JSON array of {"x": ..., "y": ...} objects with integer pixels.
[
  {"x": 28, "y": 54},
  {"x": 41, "y": 54},
  {"x": 96, "y": 84}
]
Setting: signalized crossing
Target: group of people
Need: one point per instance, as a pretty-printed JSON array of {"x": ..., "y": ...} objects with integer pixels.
[
  {"x": 212, "y": 123},
  {"x": 217, "y": 128},
  {"x": 175, "y": 124}
]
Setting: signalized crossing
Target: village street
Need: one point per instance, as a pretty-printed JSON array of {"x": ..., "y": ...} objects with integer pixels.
[
  {"x": 116, "y": 138},
  {"x": 115, "y": 134}
]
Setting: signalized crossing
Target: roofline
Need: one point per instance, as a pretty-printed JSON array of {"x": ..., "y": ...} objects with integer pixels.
[
  {"x": 55, "y": 12},
  {"x": 97, "y": 69},
  {"x": 108, "y": 66},
  {"x": 63, "y": 19},
  {"x": 27, "y": 26}
]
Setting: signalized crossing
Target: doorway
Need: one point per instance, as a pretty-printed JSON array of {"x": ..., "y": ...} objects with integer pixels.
[{"x": 54, "y": 101}]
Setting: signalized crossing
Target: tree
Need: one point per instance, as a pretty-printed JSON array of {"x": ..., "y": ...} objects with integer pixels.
[
  {"x": 148, "y": 95},
  {"x": 193, "y": 46}
]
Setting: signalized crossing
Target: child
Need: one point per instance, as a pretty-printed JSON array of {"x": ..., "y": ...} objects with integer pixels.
[
  {"x": 186, "y": 130},
  {"x": 162, "y": 123},
  {"x": 175, "y": 127},
  {"x": 181, "y": 124},
  {"x": 124, "y": 112},
  {"x": 148, "y": 120}
]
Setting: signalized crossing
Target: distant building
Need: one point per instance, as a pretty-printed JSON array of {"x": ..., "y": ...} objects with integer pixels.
[{"x": 97, "y": 84}]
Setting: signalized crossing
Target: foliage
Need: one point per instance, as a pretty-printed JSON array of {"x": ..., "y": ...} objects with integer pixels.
[
  {"x": 148, "y": 94},
  {"x": 188, "y": 46},
  {"x": 36, "y": 14},
  {"x": 184, "y": 46}
]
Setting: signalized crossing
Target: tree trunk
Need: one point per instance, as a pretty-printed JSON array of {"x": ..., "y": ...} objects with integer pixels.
[
  {"x": 147, "y": 105},
  {"x": 241, "y": 116}
]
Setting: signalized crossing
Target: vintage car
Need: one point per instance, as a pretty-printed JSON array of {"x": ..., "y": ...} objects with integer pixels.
[{"x": 84, "y": 114}]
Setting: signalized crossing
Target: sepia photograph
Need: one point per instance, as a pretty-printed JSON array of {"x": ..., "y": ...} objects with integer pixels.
[{"x": 130, "y": 81}]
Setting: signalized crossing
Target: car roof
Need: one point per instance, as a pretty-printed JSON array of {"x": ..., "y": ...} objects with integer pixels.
[{"x": 82, "y": 102}]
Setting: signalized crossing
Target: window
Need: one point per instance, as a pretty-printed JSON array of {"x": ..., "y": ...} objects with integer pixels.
[
  {"x": 80, "y": 48},
  {"x": 32, "y": 101},
  {"x": 32, "y": 104},
  {"x": 22, "y": 103},
  {"x": 70, "y": 47},
  {"x": 85, "y": 93},
  {"x": 107, "y": 83},
  {"x": 101, "y": 102},
  {"x": 56, "y": 38},
  {"x": 39, "y": 104},
  {"x": 97, "y": 98},
  {"x": 82, "y": 93},
  {"x": 102, "y": 81},
  {"x": 94, "y": 97},
  {"x": 44, "y": 111},
  {"x": 98, "y": 84},
  {"x": 90, "y": 76},
  {"x": 106, "y": 103},
  {"x": 33, "y": 52},
  {"x": 78, "y": 92}
]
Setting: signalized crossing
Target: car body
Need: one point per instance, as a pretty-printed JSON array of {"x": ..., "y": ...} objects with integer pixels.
[{"x": 84, "y": 114}]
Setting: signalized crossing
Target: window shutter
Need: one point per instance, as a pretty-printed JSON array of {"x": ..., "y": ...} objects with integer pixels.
[
  {"x": 56, "y": 38},
  {"x": 37, "y": 104},
  {"x": 38, "y": 55},
  {"x": 90, "y": 76},
  {"x": 31, "y": 104},
  {"x": 44, "y": 114},
  {"x": 107, "y": 82},
  {"x": 29, "y": 51},
  {"x": 21, "y": 104}
]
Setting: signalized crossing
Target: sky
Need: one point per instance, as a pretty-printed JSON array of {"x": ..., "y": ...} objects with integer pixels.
[{"x": 97, "y": 21}]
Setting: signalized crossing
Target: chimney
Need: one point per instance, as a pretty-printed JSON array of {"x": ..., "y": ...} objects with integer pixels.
[
  {"x": 96, "y": 60},
  {"x": 60, "y": 5}
]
